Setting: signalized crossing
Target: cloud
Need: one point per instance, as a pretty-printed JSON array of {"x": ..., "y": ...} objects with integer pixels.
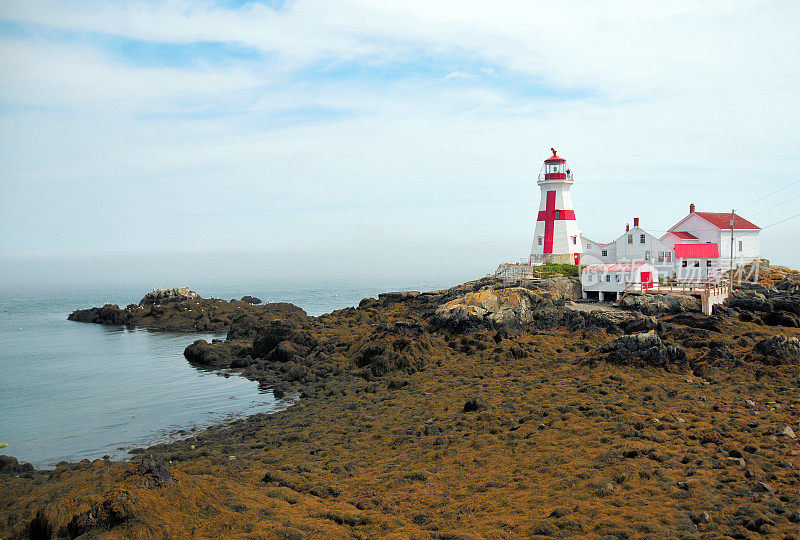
[{"x": 242, "y": 123}]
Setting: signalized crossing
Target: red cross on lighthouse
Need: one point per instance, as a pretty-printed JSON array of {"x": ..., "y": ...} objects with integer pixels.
[{"x": 550, "y": 215}]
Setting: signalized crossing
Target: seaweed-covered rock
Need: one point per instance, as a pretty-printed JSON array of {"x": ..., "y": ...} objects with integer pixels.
[
  {"x": 244, "y": 326},
  {"x": 697, "y": 320},
  {"x": 779, "y": 348},
  {"x": 781, "y": 318},
  {"x": 9, "y": 465},
  {"x": 491, "y": 308},
  {"x": 154, "y": 472},
  {"x": 384, "y": 352},
  {"x": 475, "y": 404},
  {"x": 646, "y": 348},
  {"x": 207, "y": 354},
  {"x": 107, "y": 314},
  {"x": 270, "y": 335}
]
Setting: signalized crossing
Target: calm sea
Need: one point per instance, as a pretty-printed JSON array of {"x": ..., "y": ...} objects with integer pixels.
[{"x": 72, "y": 390}]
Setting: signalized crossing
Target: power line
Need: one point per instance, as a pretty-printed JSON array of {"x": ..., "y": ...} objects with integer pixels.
[
  {"x": 777, "y": 205},
  {"x": 771, "y": 194},
  {"x": 781, "y": 221}
]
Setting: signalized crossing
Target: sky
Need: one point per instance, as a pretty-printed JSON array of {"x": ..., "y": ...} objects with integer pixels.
[{"x": 302, "y": 139}]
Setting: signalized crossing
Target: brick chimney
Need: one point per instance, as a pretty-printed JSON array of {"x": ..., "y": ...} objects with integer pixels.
[
  {"x": 635, "y": 222},
  {"x": 691, "y": 208},
  {"x": 627, "y": 227}
]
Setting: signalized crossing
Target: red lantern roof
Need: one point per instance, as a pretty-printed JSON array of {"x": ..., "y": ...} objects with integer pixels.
[{"x": 555, "y": 158}]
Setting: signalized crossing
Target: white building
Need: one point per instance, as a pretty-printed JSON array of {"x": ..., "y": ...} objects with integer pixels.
[
  {"x": 697, "y": 261},
  {"x": 556, "y": 238},
  {"x": 715, "y": 227},
  {"x": 595, "y": 252},
  {"x": 635, "y": 245},
  {"x": 607, "y": 281}
]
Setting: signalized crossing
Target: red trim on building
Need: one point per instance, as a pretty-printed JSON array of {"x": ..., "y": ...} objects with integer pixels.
[
  {"x": 555, "y": 176},
  {"x": 563, "y": 215},
  {"x": 684, "y": 235},
  {"x": 708, "y": 250},
  {"x": 614, "y": 267}
]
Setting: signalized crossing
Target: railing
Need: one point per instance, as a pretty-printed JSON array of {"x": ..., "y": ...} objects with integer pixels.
[
  {"x": 678, "y": 287},
  {"x": 567, "y": 179}
]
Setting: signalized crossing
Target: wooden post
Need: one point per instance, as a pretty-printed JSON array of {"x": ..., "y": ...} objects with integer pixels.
[{"x": 731, "y": 281}]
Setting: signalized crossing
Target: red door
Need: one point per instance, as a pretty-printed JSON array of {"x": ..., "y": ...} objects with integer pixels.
[
  {"x": 647, "y": 280},
  {"x": 577, "y": 258}
]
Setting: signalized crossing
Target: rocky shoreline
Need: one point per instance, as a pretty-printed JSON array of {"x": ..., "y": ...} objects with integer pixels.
[{"x": 482, "y": 410}]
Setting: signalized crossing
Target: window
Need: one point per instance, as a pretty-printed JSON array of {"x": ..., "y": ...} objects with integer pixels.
[
  {"x": 660, "y": 256},
  {"x": 617, "y": 276},
  {"x": 740, "y": 246},
  {"x": 697, "y": 264},
  {"x": 669, "y": 256},
  {"x": 540, "y": 240},
  {"x": 647, "y": 255},
  {"x": 708, "y": 263},
  {"x": 604, "y": 253},
  {"x": 574, "y": 239},
  {"x": 557, "y": 214},
  {"x": 589, "y": 278},
  {"x": 588, "y": 245},
  {"x": 683, "y": 264},
  {"x": 630, "y": 239},
  {"x": 608, "y": 278},
  {"x": 641, "y": 239}
]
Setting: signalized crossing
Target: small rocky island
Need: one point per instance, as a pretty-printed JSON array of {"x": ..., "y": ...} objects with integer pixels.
[
  {"x": 182, "y": 310},
  {"x": 482, "y": 410}
]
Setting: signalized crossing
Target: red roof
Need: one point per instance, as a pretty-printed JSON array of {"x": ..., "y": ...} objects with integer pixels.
[
  {"x": 723, "y": 220},
  {"x": 554, "y": 158},
  {"x": 684, "y": 235},
  {"x": 614, "y": 267},
  {"x": 708, "y": 250}
]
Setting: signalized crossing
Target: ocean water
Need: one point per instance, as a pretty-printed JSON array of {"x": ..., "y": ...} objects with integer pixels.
[{"x": 70, "y": 390}]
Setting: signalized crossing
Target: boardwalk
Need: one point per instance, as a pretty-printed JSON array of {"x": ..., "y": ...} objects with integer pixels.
[{"x": 709, "y": 292}]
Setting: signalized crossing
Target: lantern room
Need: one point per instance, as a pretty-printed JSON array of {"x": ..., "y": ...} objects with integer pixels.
[{"x": 555, "y": 169}]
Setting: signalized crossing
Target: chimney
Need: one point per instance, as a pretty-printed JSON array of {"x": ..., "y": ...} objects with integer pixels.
[
  {"x": 635, "y": 222},
  {"x": 691, "y": 208},
  {"x": 627, "y": 227}
]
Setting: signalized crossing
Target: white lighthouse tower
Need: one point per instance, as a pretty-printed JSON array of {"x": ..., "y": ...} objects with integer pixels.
[{"x": 557, "y": 238}]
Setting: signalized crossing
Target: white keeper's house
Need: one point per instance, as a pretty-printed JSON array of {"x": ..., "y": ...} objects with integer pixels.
[
  {"x": 715, "y": 228},
  {"x": 635, "y": 245}
]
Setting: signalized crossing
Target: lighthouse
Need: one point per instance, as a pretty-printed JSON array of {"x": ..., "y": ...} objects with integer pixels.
[{"x": 557, "y": 238}]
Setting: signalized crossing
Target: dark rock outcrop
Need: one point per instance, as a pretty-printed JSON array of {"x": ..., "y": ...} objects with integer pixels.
[
  {"x": 9, "y": 465},
  {"x": 475, "y": 404},
  {"x": 273, "y": 333},
  {"x": 251, "y": 299},
  {"x": 386, "y": 351},
  {"x": 154, "y": 472},
  {"x": 206, "y": 354},
  {"x": 107, "y": 314},
  {"x": 779, "y": 349},
  {"x": 646, "y": 349}
]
